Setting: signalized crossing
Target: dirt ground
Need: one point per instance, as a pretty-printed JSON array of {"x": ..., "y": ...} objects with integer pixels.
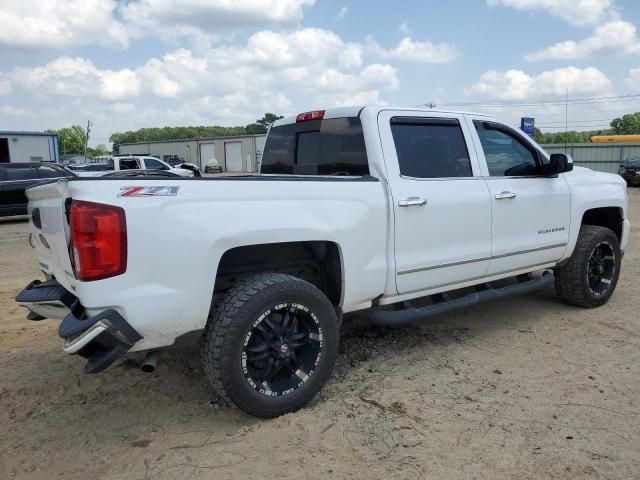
[{"x": 521, "y": 388}]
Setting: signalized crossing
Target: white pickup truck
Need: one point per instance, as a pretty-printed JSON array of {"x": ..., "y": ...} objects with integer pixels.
[
  {"x": 404, "y": 212},
  {"x": 127, "y": 163}
]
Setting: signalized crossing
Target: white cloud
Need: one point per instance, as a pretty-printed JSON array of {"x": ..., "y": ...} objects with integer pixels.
[
  {"x": 77, "y": 77},
  {"x": 633, "y": 80},
  {"x": 176, "y": 72},
  {"x": 210, "y": 17},
  {"x": 342, "y": 13},
  {"x": 415, "y": 51},
  {"x": 517, "y": 85},
  {"x": 5, "y": 86},
  {"x": 123, "y": 107},
  {"x": 235, "y": 107},
  {"x": 60, "y": 23},
  {"x": 9, "y": 111},
  {"x": 576, "y": 12},
  {"x": 236, "y": 83},
  {"x": 617, "y": 35},
  {"x": 404, "y": 28},
  {"x": 371, "y": 77}
]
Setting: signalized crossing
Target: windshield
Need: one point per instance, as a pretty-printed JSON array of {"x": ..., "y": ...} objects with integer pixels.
[{"x": 318, "y": 147}]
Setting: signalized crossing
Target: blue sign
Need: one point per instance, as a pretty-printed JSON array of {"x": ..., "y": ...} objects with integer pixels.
[{"x": 527, "y": 125}]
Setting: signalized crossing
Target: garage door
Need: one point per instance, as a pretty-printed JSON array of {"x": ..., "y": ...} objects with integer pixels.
[
  {"x": 233, "y": 156},
  {"x": 207, "y": 152}
]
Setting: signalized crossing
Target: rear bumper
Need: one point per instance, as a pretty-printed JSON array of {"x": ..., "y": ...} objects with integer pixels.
[{"x": 101, "y": 339}]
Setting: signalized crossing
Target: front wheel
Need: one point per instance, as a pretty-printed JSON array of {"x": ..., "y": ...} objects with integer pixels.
[
  {"x": 590, "y": 276},
  {"x": 270, "y": 344}
]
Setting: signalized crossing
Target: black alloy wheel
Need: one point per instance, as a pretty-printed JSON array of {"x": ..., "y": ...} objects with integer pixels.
[
  {"x": 282, "y": 349},
  {"x": 270, "y": 343},
  {"x": 601, "y": 268}
]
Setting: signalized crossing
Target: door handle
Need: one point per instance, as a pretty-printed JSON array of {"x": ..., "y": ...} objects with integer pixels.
[
  {"x": 412, "y": 202},
  {"x": 505, "y": 195}
]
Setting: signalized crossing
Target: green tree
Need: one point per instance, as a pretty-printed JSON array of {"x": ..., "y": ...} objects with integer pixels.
[
  {"x": 627, "y": 125},
  {"x": 99, "y": 150},
  {"x": 267, "y": 120},
  {"x": 70, "y": 139},
  {"x": 185, "y": 133}
]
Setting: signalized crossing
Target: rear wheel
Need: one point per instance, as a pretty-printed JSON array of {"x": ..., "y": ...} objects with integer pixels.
[
  {"x": 590, "y": 276},
  {"x": 270, "y": 344}
]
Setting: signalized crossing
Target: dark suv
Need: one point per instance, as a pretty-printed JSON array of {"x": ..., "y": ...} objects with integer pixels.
[
  {"x": 630, "y": 171},
  {"x": 15, "y": 178}
]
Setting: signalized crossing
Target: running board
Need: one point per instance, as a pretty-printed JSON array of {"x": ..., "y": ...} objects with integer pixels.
[{"x": 410, "y": 315}]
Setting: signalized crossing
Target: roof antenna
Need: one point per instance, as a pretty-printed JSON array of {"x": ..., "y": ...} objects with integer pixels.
[{"x": 428, "y": 105}]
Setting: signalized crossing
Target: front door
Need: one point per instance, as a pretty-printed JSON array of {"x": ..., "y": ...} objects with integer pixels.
[
  {"x": 441, "y": 204},
  {"x": 531, "y": 212}
]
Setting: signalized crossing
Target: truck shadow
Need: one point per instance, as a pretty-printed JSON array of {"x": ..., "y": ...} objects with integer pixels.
[{"x": 14, "y": 219}]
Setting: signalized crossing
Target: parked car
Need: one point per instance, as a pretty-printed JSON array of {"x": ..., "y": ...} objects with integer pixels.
[
  {"x": 630, "y": 171},
  {"x": 405, "y": 212},
  {"x": 141, "y": 173},
  {"x": 132, "y": 162},
  {"x": 15, "y": 178}
]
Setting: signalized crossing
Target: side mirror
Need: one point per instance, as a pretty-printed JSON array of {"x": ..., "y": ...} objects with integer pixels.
[{"x": 560, "y": 163}]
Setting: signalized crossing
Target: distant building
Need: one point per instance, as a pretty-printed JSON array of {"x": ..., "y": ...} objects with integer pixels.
[
  {"x": 234, "y": 154},
  {"x": 28, "y": 147}
]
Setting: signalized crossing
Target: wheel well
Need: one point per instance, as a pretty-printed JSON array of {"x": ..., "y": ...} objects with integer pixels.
[
  {"x": 609, "y": 217},
  {"x": 317, "y": 262}
]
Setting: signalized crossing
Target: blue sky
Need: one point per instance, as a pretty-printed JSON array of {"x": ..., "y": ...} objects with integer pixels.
[{"x": 145, "y": 63}]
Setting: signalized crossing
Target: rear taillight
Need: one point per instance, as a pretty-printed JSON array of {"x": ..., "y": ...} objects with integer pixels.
[
  {"x": 315, "y": 115},
  {"x": 98, "y": 240}
]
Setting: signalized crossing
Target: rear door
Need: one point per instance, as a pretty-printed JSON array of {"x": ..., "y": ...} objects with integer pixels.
[
  {"x": 531, "y": 212},
  {"x": 18, "y": 179},
  {"x": 441, "y": 204}
]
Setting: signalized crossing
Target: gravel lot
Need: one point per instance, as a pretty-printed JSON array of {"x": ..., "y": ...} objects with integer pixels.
[{"x": 522, "y": 388}]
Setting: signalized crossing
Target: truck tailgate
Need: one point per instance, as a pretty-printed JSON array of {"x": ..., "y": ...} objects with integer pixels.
[{"x": 48, "y": 219}]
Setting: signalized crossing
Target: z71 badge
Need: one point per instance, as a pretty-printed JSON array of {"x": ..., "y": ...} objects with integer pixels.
[{"x": 157, "y": 191}]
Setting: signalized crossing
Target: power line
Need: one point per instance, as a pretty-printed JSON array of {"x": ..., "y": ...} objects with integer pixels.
[
  {"x": 557, "y": 127},
  {"x": 532, "y": 103},
  {"x": 578, "y": 121}
]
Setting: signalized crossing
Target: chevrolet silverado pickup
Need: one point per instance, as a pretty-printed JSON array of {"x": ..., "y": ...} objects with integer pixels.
[{"x": 404, "y": 212}]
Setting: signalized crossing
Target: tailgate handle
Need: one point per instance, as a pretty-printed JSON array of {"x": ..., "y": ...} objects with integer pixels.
[{"x": 35, "y": 217}]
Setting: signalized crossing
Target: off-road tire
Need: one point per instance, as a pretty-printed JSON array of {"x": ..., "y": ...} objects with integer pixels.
[
  {"x": 231, "y": 319},
  {"x": 571, "y": 280}
]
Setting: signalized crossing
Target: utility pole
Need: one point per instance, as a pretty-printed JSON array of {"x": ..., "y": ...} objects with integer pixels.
[
  {"x": 86, "y": 140},
  {"x": 566, "y": 119}
]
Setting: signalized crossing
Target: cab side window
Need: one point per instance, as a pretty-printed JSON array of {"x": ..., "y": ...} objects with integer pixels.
[
  {"x": 506, "y": 154},
  {"x": 129, "y": 164},
  {"x": 152, "y": 164},
  {"x": 430, "y": 147}
]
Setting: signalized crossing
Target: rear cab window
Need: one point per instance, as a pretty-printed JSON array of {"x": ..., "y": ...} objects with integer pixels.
[
  {"x": 51, "y": 171},
  {"x": 332, "y": 146}
]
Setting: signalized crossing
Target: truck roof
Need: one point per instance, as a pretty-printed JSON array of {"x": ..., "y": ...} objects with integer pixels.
[{"x": 354, "y": 111}]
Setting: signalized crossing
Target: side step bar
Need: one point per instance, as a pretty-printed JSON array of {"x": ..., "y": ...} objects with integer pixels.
[{"x": 410, "y": 315}]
